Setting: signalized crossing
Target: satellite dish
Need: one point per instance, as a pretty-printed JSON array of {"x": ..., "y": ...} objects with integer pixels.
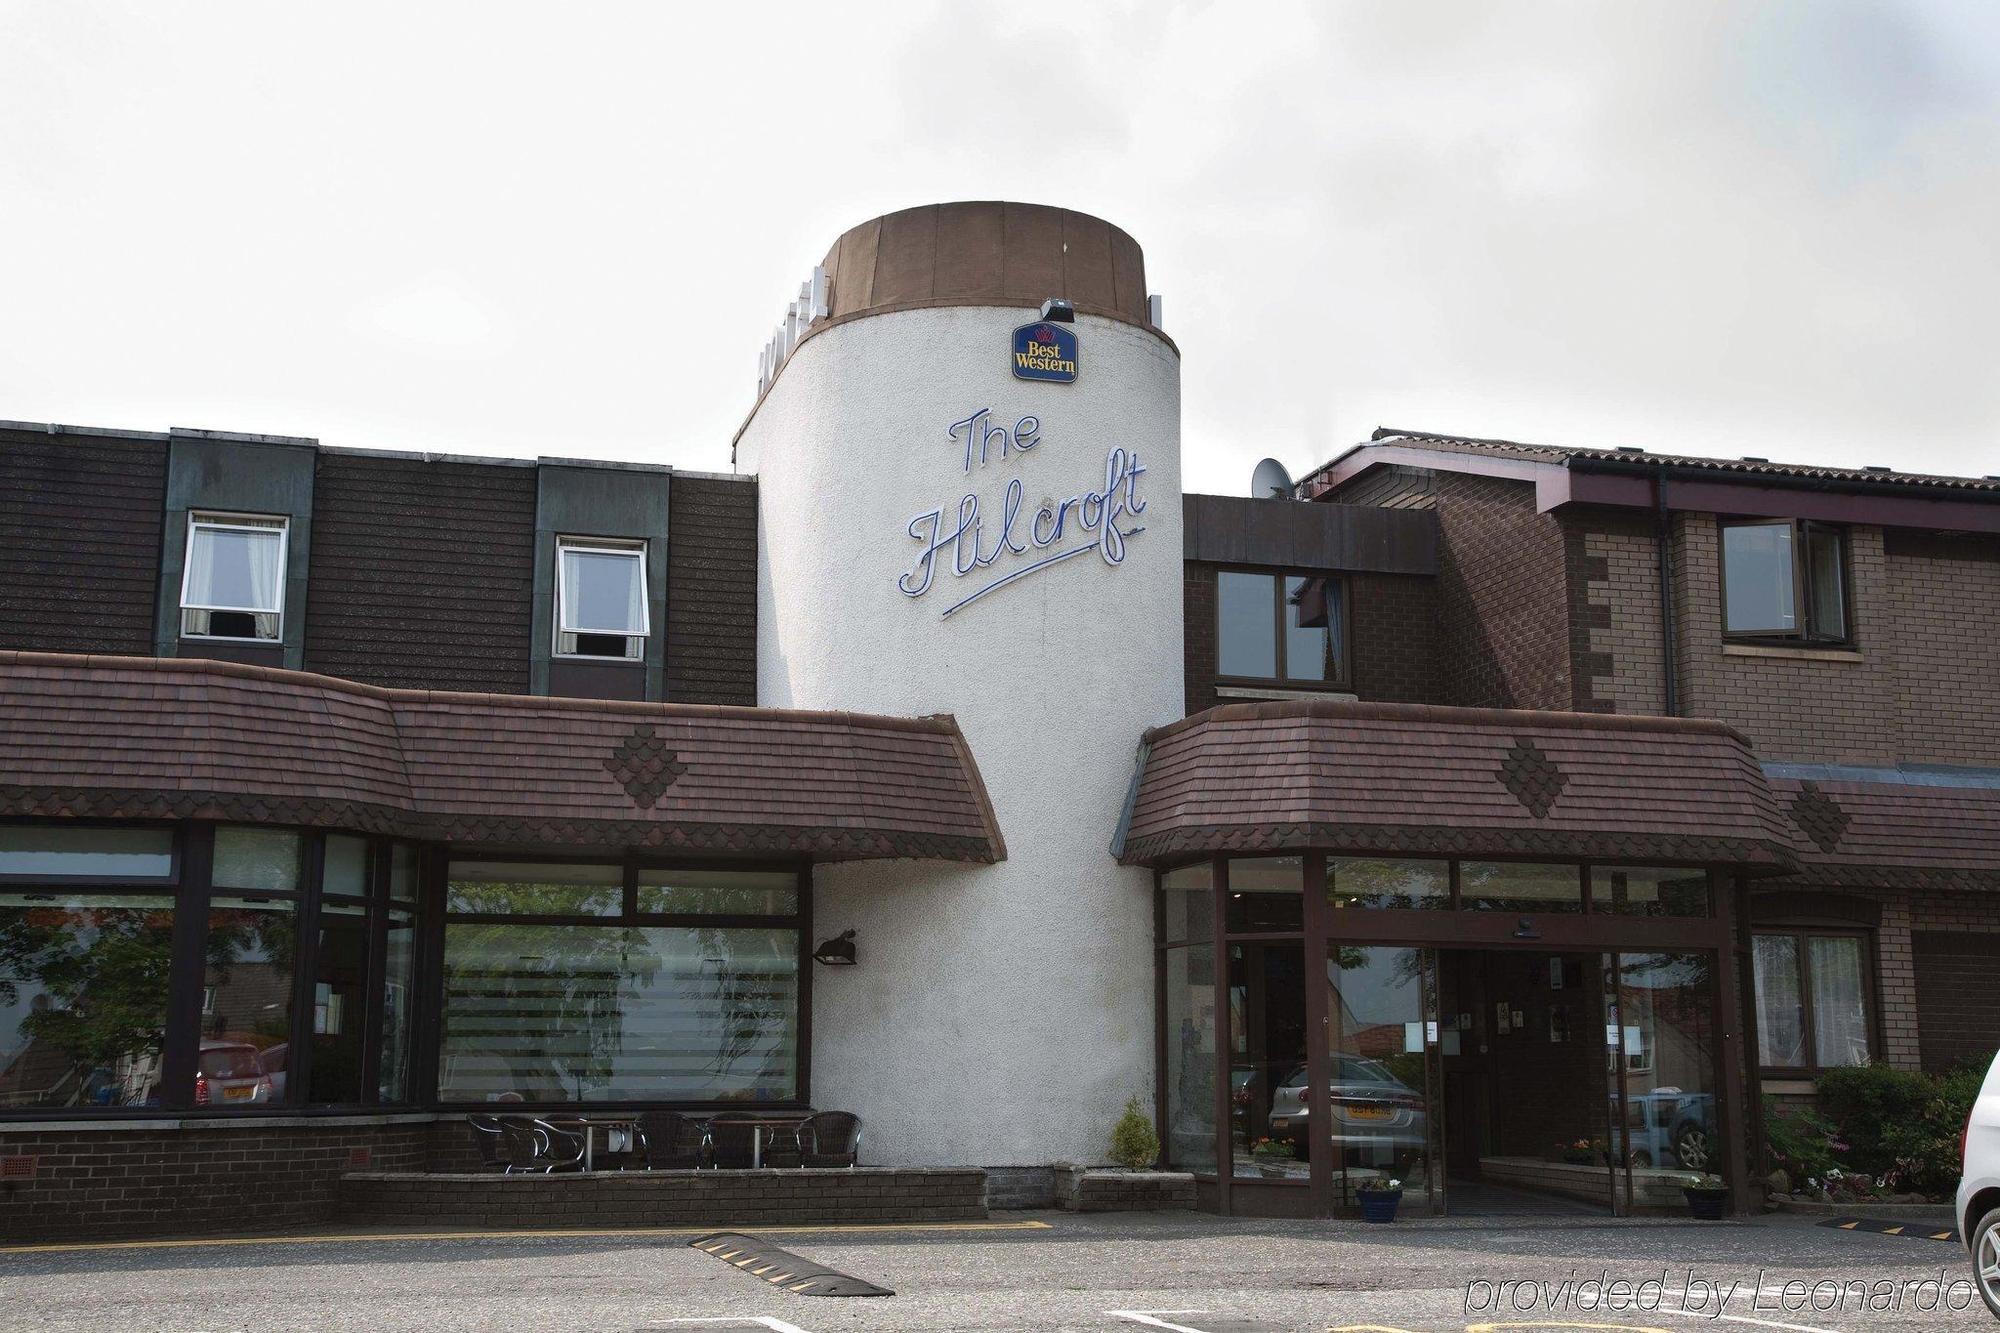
[{"x": 1271, "y": 481}]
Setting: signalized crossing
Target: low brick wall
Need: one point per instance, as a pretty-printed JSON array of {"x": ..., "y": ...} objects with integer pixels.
[
  {"x": 769, "y": 1197},
  {"x": 100, "y": 1181},
  {"x": 1656, "y": 1191},
  {"x": 1105, "y": 1191}
]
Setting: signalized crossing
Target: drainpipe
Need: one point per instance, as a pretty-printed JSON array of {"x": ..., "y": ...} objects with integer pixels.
[{"x": 1663, "y": 540}]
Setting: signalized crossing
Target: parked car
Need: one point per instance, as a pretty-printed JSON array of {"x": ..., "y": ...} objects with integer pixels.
[
  {"x": 1670, "y": 1128},
  {"x": 1979, "y": 1189},
  {"x": 1376, "y": 1118},
  {"x": 230, "y": 1074},
  {"x": 272, "y": 1060}
]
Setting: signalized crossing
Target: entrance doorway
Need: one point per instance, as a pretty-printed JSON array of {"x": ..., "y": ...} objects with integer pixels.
[
  {"x": 1395, "y": 1026},
  {"x": 1518, "y": 1081}
]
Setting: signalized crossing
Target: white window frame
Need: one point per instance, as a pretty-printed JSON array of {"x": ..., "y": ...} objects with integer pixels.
[
  {"x": 632, "y": 547},
  {"x": 217, "y": 521}
]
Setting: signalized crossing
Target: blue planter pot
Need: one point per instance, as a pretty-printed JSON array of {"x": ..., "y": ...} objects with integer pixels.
[{"x": 1379, "y": 1207}]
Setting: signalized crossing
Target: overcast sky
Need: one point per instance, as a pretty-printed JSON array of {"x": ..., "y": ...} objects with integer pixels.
[{"x": 567, "y": 229}]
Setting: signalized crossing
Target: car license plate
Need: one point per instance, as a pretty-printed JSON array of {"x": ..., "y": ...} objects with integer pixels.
[
  {"x": 237, "y": 1094},
  {"x": 1368, "y": 1113}
]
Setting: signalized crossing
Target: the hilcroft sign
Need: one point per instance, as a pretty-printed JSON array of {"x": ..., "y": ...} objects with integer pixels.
[{"x": 1004, "y": 541}]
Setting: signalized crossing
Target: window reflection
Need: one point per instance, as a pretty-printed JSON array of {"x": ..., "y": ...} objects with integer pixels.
[
  {"x": 399, "y": 969},
  {"x": 610, "y": 1013},
  {"x": 1506, "y": 886},
  {"x": 1376, "y": 1108},
  {"x": 1267, "y": 1055},
  {"x": 246, "y": 1011},
  {"x": 1662, "y": 1040},
  {"x": 1190, "y": 1035},
  {"x": 83, "y": 999}
]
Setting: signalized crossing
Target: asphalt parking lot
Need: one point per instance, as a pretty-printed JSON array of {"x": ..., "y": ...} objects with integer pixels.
[{"x": 1192, "y": 1273}]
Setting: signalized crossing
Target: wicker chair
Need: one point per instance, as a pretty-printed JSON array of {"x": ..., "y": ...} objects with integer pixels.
[
  {"x": 835, "y": 1139},
  {"x": 674, "y": 1142},
  {"x": 490, "y": 1136},
  {"x": 539, "y": 1147}
]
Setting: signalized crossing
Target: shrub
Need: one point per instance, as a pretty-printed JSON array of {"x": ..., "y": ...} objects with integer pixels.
[
  {"x": 1134, "y": 1142},
  {"x": 1902, "y": 1127},
  {"x": 1801, "y": 1141}
]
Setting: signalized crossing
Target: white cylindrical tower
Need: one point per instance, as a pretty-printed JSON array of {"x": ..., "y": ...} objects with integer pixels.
[{"x": 939, "y": 534}]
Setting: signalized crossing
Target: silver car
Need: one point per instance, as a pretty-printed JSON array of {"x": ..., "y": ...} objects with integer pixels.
[{"x": 1376, "y": 1117}]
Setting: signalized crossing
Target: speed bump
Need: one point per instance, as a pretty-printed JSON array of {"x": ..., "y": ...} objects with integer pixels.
[
  {"x": 781, "y": 1268},
  {"x": 1875, "y": 1226}
]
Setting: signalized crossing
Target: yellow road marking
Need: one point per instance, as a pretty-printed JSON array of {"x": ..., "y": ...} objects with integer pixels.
[
  {"x": 567, "y": 1234},
  {"x": 1893, "y": 1231},
  {"x": 1849, "y": 1226},
  {"x": 1941, "y": 1235},
  {"x": 807, "y": 1283}
]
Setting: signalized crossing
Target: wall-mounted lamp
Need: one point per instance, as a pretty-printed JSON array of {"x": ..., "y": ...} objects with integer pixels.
[
  {"x": 836, "y": 952},
  {"x": 1526, "y": 930},
  {"x": 1058, "y": 311}
]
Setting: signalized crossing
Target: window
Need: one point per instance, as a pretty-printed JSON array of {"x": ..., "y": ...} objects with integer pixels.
[
  {"x": 86, "y": 850},
  {"x": 1813, "y": 1000},
  {"x": 1281, "y": 627},
  {"x": 601, "y": 606},
  {"x": 1649, "y": 891},
  {"x": 233, "y": 586},
  {"x": 600, "y": 983},
  {"x": 1504, "y": 886},
  {"x": 1784, "y": 579},
  {"x": 83, "y": 998},
  {"x": 1354, "y": 881}
]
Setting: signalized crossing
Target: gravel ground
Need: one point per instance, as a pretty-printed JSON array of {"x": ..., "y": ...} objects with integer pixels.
[{"x": 1024, "y": 1272}]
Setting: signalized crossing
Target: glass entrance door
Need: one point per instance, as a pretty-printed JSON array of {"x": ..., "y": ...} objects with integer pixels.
[{"x": 1376, "y": 1116}]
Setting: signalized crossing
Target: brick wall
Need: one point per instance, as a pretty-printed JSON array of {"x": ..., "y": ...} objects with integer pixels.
[
  {"x": 1937, "y": 966},
  {"x": 1614, "y": 598},
  {"x": 95, "y": 1184},
  {"x": 80, "y": 519},
  {"x": 422, "y": 573},
  {"x": 712, "y": 591},
  {"x": 667, "y": 1198},
  {"x": 1502, "y": 597},
  {"x": 1392, "y": 637},
  {"x": 1825, "y": 709},
  {"x": 1958, "y": 996},
  {"x": 1944, "y": 632}
]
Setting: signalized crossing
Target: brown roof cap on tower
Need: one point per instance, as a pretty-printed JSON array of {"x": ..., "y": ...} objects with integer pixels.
[
  {"x": 164, "y": 738},
  {"x": 987, "y": 253}
]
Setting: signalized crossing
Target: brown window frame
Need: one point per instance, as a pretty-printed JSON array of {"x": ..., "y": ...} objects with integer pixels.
[
  {"x": 1278, "y": 575},
  {"x": 1804, "y": 613},
  {"x": 1871, "y": 1008}
]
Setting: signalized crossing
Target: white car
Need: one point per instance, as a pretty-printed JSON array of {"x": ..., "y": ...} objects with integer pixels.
[{"x": 1979, "y": 1191}]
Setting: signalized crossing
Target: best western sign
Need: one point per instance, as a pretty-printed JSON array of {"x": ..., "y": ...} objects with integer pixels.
[{"x": 1045, "y": 351}]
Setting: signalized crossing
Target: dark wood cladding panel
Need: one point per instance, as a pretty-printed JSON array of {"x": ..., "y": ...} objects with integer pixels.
[
  {"x": 712, "y": 591},
  {"x": 1231, "y": 530},
  {"x": 422, "y": 573},
  {"x": 80, "y": 523}
]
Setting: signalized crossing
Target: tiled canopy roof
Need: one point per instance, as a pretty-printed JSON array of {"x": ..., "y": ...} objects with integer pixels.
[
  {"x": 1751, "y": 469},
  {"x": 136, "y": 737},
  {"x": 1894, "y": 835},
  {"x": 1421, "y": 780}
]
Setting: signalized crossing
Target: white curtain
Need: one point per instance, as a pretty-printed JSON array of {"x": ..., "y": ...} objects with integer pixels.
[{"x": 264, "y": 553}]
